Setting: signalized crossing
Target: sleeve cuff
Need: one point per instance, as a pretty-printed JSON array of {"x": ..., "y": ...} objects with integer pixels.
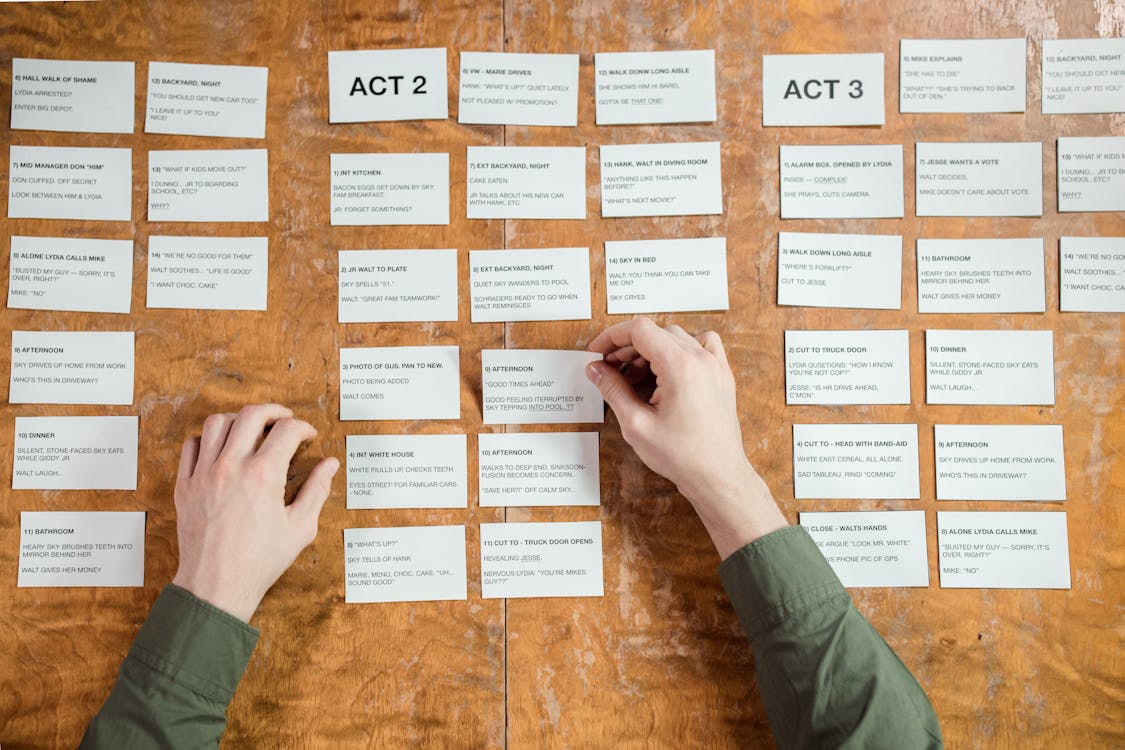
[
  {"x": 195, "y": 644},
  {"x": 777, "y": 577}
]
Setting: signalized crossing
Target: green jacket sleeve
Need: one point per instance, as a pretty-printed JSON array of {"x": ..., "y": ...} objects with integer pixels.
[
  {"x": 827, "y": 679},
  {"x": 179, "y": 676}
]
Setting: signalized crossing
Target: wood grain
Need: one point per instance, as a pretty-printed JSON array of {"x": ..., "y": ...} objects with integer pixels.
[{"x": 660, "y": 660}]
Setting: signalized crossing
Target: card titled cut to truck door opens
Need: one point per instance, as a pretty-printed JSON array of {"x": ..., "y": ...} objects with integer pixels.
[
  {"x": 1091, "y": 274},
  {"x": 545, "y": 468},
  {"x": 397, "y": 286},
  {"x": 389, "y": 84},
  {"x": 963, "y": 75},
  {"x": 981, "y": 276},
  {"x": 389, "y": 189},
  {"x": 400, "y": 382},
  {"x": 1092, "y": 174},
  {"x": 64, "y": 273},
  {"x": 526, "y": 182},
  {"x": 512, "y": 88},
  {"x": 841, "y": 182},
  {"x": 539, "y": 386},
  {"x": 49, "y": 182},
  {"x": 79, "y": 96},
  {"x": 847, "y": 367},
  {"x": 645, "y": 276},
  {"x": 843, "y": 461},
  {"x": 999, "y": 462},
  {"x": 208, "y": 273},
  {"x": 512, "y": 285},
  {"x": 822, "y": 89},
  {"x": 1006, "y": 368},
  {"x": 1003, "y": 550},
  {"x": 75, "y": 453},
  {"x": 71, "y": 367},
  {"x": 839, "y": 270},
  {"x": 82, "y": 549},
  {"x": 223, "y": 185},
  {"x": 407, "y": 471},
  {"x": 519, "y": 560},
  {"x": 873, "y": 548},
  {"x": 979, "y": 179},
  {"x": 662, "y": 179},
  {"x": 1083, "y": 76},
  {"x": 634, "y": 88},
  {"x": 216, "y": 100},
  {"x": 404, "y": 564}
]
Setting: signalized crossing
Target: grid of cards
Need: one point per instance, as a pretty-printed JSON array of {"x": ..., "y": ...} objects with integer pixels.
[{"x": 1011, "y": 366}]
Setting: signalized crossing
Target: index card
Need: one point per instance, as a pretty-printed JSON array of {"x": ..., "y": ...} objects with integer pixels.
[
  {"x": 512, "y": 285},
  {"x": 62, "y": 273},
  {"x": 847, "y": 367},
  {"x": 999, "y": 462},
  {"x": 51, "y": 182},
  {"x": 71, "y": 367},
  {"x": 79, "y": 96},
  {"x": 1092, "y": 174},
  {"x": 981, "y": 276},
  {"x": 1007, "y": 368},
  {"x": 654, "y": 87},
  {"x": 519, "y": 560},
  {"x": 75, "y": 453},
  {"x": 873, "y": 548},
  {"x": 844, "y": 461},
  {"x": 1003, "y": 550},
  {"x": 208, "y": 273},
  {"x": 839, "y": 270},
  {"x": 1083, "y": 76},
  {"x": 841, "y": 182},
  {"x": 979, "y": 179},
  {"x": 666, "y": 275},
  {"x": 390, "y": 84},
  {"x": 822, "y": 89},
  {"x": 538, "y": 386},
  {"x": 223, "y": 185},
  {"x": 526, "y": 182},
  {"x": 963, "y": 75},
  {"x": 389, "y": 189},
  {"x": 216, "y": 100},
  {"x": 393, "y": 286},
  {"x": 404, "y": 564},
  {"x": 662, "y": 179},
  {"x": 512, "y": 88},
  {"x": 101, "y": 548},
  {"x": 538, "y": 468},
  {"x": 400, "y": 382},
  {"x": 1092, "y": 274},
  {"x": 407, "y": 471}
]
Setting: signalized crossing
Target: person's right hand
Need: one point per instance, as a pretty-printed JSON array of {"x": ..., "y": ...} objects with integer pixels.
[{"x": 688, "y": 429}]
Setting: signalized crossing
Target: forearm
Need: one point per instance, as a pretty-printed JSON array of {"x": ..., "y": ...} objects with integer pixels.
[
  {"x": 174, "y": 687},
  {"x": 827, "y": 679}
]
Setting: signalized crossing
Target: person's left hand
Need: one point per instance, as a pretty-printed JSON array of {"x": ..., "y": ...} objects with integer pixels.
[{"x": 236, "y": 534}]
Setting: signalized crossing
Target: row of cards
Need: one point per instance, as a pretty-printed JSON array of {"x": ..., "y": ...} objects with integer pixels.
[
  {"x": 644, "y": 276},
  {"x": 427, "y": 563},
  {"x": 830, "y": 461},
  {"x": 964, "y": 75},
  {"x": 1000, "y": 367},
  {"x": 389, "y": 564},
  {"x": 533, "y": 182}
]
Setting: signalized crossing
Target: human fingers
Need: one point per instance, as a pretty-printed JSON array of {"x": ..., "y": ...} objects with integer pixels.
[
  {"x": 215, "y": 430},
  {"x": 647, "y": 340},
  {"x": 249, "y": 427},
  {"x": 188, "y": 455},
  {"x": 306, "y": 507},
  {"x": 283, "y": 440}
]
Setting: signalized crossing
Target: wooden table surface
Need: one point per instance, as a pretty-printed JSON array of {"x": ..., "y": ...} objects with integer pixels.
[{"x": 659, "y": 661}]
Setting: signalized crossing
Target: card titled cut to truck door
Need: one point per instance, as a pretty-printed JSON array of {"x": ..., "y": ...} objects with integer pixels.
[
  {"x": 538, "y": 468},
  {"x": 216, "y": 100},
  {"x": 839, "y": 270},
  {"x": 662, "y": 179},
  {"x": 64, "y": 273},
  {"x": 513, "y": 285},
  {"x": 847, "y": 367},
  {"x": 981, "y": 276},
  {"x": 1082, "y": 76},
  {"x": 822, "y": 89},
  {"x": 400, "y": 382},
  {"x": 1092, "y": 174},
  {"x": 513, "y": 88},
  {"x": 75, "y": 453},
  {"x": 389, "y": 189},
  {"x": 647, "y": 276},
  {"x": 404, "y": 564},
  {"x": 407, "y": 471},
  {"x": 65, "y": 549},
  {"x": 979, "y": 179},
  {"x": 389, "y": 84},
  {"x": 1003, "y": 550},
  {"x": 841, "y": 182},
  {"x": 520, "y": 560},
  {"x": 72, "y": 367},
  {"x": 1006, "y": 368},
  {"x": 1091, "y": 274},
  {"x": 50, "y": 182},
  {"x": 223, "y": 185},
  {"x": 963, "y": 75},
  {"x": 539, "y": 386},
  {"x": 999, "y": 462},
  {"x": 526, "y": 182},
  {"x": 78, "y": 96},
  {"x": 397, "y": 286},
  {"x": 861, "y": 461},
  {"x": 208, "y": 273},
  {"x": 873, "y": 548},
  {"x": 636, "y": 88}
]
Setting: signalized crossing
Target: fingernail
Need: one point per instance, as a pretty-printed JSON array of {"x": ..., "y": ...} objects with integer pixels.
[{"x": 594, "y": 372}]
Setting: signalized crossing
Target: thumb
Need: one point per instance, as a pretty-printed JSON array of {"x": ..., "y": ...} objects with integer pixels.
[
  {"x": 314, "y": 492},
  {"x": 616, "y": 391}
]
